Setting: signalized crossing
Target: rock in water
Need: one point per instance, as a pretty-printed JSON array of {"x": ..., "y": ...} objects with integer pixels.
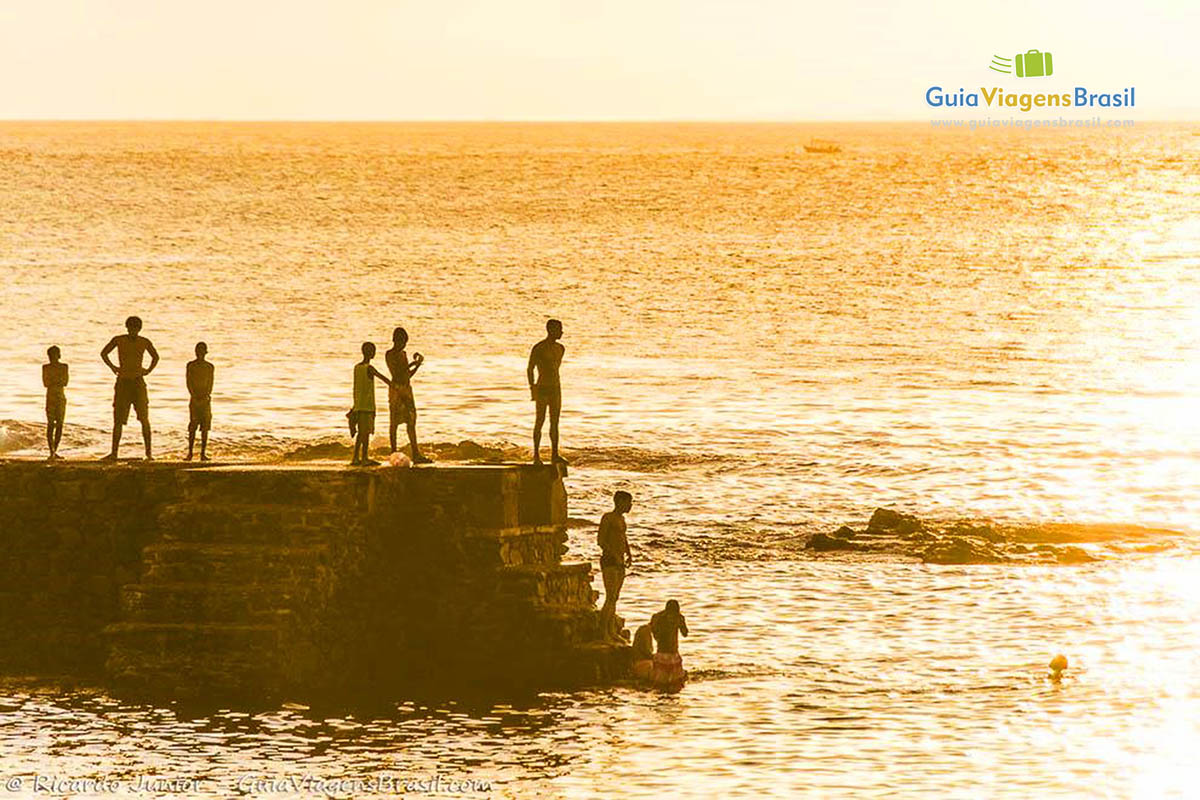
[
  {"x": 823, "y": 542},
  {"x": 884, "y": 520},
  {"x": 961, "y": 551},
  {"x": 844, "y": 532}
]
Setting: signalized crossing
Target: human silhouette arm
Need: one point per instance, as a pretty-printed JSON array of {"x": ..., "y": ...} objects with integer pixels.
[
  {"x": 415, "y": 364},
  {"x": 377, "y": 374},
  {"x": 66, "y": 375},
  {"x": 683, "y": 625},
  {"x": 191, "y": 379},
  {"x": 529, "y": 372},
  {"x": 108, "y": 348},
  {"x": 628, "y": 553},
  {"x": 153, "y": 358}
]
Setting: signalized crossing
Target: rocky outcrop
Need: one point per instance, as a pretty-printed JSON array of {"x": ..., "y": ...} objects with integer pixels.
[{"x": 891, "y": 532}]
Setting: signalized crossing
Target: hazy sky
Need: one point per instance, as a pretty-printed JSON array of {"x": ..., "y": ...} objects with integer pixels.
[{"x": 574, "y": 59}]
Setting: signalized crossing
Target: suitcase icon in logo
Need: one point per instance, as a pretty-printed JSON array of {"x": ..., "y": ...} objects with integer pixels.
[{"x": 1034, "y": 65}]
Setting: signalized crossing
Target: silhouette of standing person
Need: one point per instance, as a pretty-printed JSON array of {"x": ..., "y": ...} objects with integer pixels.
[
  {"x": 546, "y": 390},
  {"x": 402, "y": 408},
  {"x": 54, "y": 377},
  {"x": 199, "y": 386},
  {"x": 615, "y": 558},
  {"x": 363, "y": 412},
  {"x": 130, "y": 388}
]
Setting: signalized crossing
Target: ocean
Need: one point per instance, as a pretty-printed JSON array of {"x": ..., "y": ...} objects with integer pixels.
[{"x": 760, "y": 344}]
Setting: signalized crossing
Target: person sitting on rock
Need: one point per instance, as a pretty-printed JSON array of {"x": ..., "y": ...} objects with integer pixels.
[
  {"x": 643, "y": 653},
  {"x": 364, "y": 406},
  {"x": 615, "y": 557},
  {"x": 666, "y": 626},
  {"x": 55, "y": 377}
]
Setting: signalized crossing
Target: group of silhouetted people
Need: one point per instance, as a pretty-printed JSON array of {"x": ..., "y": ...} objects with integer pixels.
[
  {"x": 129, "y": 391},
  {"x": 662, "y": 668}
]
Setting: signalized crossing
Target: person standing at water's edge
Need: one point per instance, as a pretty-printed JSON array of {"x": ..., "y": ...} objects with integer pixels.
[
  {"x": 54, "y": 377},
  {"x": 545, "y": 390},
  {"x": 199, "y": 386},
  {"x": 130, "y": 388},
  {"x": 364, "y": 406},
  {"x": 402, "y": 408},
  {"x": 615, "y": 558}
]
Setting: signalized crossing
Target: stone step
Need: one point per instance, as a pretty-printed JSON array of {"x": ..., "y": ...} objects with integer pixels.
[
  {"x": 183, "y": 562},
  {"x": 209, "y": 602},
  {"x": 196, "y": 659},
  {"x": 312, "y": 488},
  {"x": 548, "y": 584},
  {"x": 255, "y": 524}
]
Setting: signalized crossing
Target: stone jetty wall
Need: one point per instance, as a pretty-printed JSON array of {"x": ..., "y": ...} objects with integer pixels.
[{"x": 261, "y": 581}]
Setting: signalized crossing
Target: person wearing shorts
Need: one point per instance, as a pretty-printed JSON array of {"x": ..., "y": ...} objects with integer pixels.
[
  {"x": 363, "y": 411},
  {"x": 55, "y": 376},
  {"x": 199, "y": 384},
  {"x": 130, "y": 388},
  {"x": 402, "y": 408},
  {"x": 545, "y": 389},
  {"x": 615, "y": 557}
]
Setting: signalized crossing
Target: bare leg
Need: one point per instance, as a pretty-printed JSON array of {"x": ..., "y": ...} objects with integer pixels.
[
  {"x": 614, "y": 577},
  {"x": 191, "y": 441},
  {"x": 204, "y": 445},
  {"x": 116, "y": 441},
  {"x": 555, "y": 410},
  {"x": 146, "y": 438},
  {"x": 392, "y": 426},
  {"x": 58, "y": 428},
  {"x": 50, "y": 436},
  {"x": 414, "y": 448},
  {"x": 539, "y": 420}
]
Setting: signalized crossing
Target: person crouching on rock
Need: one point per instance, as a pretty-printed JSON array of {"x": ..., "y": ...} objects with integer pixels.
[
  {"x": 666, "y": 625},
  {"x": 364, "y": 406},
  {"x": 643, "y": 653}
]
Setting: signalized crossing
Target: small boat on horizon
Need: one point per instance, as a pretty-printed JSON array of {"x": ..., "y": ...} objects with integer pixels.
[{"x": 822, "y": 146}]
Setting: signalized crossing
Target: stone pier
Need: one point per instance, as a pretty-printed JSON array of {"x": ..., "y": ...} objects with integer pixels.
[{"x": 270, "y": 581}]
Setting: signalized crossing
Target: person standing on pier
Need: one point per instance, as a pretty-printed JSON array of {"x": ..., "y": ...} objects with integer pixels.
[
  {"x": 130, "y": 388},
  {"x": 545, "y": 390},
  {"x": 54, "y": 378},
  {"x": 199, "y": 386},
  {"x": 402, "y": 408},
  {"x": 363, "y": 412},
  {"x": 615, "y": 558}
]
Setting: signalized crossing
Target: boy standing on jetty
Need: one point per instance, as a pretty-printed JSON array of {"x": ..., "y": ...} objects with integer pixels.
[
  {"x": 546, "y": 390},
  {"x": 615, "y": 557},
  {"x": 199, "y": 386},
  {"x": 54, "y": 378},
  {"x": 402, "y": 408},
  {"x": 363, "y": 412},
  {"x": 130, "y": 388}
]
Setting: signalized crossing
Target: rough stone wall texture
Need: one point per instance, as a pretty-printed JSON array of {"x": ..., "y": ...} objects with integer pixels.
[
  {"x": 262, "y": 581},
  {"x": 70, "y": 536}
]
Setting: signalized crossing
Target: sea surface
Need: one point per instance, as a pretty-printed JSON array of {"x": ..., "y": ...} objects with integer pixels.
[{"x": 760, "y": 344}]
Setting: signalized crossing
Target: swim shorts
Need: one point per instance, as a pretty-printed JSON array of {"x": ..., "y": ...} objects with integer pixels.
[{"x": 130, "y": 392}]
